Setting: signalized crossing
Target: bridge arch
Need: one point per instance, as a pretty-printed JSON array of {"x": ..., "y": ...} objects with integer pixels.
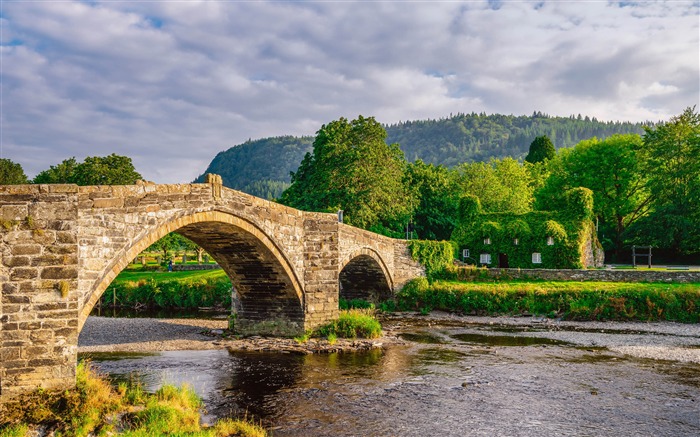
[
  {"x": 365, "y": 275},
  {"x": 262, "y": 275}
]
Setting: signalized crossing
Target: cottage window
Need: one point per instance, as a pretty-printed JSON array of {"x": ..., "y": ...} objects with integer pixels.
[
  {"x": 487, "y": 240},
  {"x": 550, "y": 241},
  {"x": 537, "y": 258},
  {"x": 515, "y": 241},
  {"x": 465, "y": 253},
  {"x": 485, "y": 258}
]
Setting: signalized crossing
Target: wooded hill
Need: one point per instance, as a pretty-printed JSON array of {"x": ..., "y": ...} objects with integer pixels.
[{"x": 262, "y": 167}]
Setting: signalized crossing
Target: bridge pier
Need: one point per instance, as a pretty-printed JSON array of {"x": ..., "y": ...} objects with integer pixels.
[{"x": 38, "y": 298}]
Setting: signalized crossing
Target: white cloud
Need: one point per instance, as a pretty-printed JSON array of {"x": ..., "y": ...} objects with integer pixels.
[{"x": 173, "y": 83}]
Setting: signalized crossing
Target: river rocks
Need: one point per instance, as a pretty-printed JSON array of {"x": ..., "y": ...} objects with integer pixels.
[{"x": 311, "y": 346}]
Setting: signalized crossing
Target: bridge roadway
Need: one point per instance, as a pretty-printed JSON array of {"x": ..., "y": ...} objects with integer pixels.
[{"x": 62, "y": 245}]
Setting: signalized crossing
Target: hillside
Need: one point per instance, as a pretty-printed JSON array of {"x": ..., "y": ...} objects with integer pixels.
[{"x": 262, "y": 167}]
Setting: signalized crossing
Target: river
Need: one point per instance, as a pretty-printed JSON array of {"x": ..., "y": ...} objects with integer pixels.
[{"x": 477, "y": 380}]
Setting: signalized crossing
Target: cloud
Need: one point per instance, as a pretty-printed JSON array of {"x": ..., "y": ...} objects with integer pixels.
[{"x": 172, "y": 83}]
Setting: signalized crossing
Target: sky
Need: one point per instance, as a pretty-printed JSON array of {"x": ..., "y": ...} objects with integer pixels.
[{"x": 172, "y": 83}]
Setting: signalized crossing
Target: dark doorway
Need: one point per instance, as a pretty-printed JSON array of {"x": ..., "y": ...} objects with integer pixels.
[{"x": 503, "y": 260}]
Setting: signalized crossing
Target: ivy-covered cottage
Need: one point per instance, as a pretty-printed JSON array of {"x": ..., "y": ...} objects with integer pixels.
[{"x": 564, "y": 239}]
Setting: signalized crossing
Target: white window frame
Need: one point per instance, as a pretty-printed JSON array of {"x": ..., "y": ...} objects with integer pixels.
[
  {"x": 485, "y": 258},
  {"x": 550, "y": 241},
  {"x": 536, "y": 258},
  {"x": 487, "y": 240},
  {"x": 516, "y": 241},
  {"x": 465, "y": 253}
]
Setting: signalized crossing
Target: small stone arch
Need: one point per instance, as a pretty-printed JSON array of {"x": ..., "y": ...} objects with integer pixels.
[
  {"x": 239, "y": 245},
  {"x": 364, "y": 275}
]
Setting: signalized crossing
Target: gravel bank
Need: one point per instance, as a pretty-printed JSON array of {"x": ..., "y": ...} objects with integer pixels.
[
  {"x": 655, "y": 340},
  {"x": 659, "y": 340},
  {"x": 107, "y": 334}
]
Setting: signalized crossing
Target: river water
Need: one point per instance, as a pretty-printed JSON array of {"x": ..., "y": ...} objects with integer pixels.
[{"x": 445, "y": 381}]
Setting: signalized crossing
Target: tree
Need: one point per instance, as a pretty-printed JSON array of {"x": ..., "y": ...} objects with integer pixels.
[
  {"x": 95, "y": 170},
  {"x": 436, "y": 213},
  {"x": 59, "y": 174},
  {"x": 171, "y": 242},
  {"x": 611, "y": 169},
  {"x": 11, "y": 173},
  {"x": 671, "y": 156},
  {"x": 541, "y": 149},
  {"x": 501, "y": 185},
  {"x": 353, "y": 169},
  {"x": 109, "y": 170}
]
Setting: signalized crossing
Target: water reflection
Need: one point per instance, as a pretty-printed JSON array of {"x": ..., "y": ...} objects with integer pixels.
[{"x": 506, "y": 340}]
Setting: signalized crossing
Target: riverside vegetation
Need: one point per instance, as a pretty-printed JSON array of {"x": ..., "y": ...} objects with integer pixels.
[
  {"x": 96, "y": 408},
  {"x": 136, "y": 287}
]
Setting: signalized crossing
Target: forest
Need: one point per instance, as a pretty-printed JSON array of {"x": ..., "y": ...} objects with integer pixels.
[{"x": 262, "y": 167}]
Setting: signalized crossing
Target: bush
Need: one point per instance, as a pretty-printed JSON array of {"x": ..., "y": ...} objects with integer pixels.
[
  {"x": 352, "y": 324},
  {"x": 345, "y": 304},
  {"x": 175, "y": 293}
]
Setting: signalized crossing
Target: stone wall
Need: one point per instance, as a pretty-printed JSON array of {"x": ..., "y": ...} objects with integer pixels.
[
  {"x": 638, "y": 275},
  {"x": 193, "y": 267}
]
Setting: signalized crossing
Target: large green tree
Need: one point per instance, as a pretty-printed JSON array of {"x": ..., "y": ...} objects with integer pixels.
[
  {"x": 611, "y": 169},
  {"x": 435, "y": 215},
  {"x": 671, "y": 156},
  {"x": 501, "y": 185},
  {"x": 541, "y": 149},
  {"x": 353, "y": 169},
  {"x": 95, "y": 170},
  {"x": 11, "y": 173}
]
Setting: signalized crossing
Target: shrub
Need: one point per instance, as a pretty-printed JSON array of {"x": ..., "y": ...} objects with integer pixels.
[
  {"x": 436, "y": 256},
  {"x": 345, "y": 304},
  {"x": 352, "y": 324}
]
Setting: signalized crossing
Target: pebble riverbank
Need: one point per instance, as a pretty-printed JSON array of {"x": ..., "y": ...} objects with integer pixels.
[{"x": 659, "y": 340}]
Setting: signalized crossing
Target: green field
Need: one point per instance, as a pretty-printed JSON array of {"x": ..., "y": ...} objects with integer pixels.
[{"x": 129, "y": 275}]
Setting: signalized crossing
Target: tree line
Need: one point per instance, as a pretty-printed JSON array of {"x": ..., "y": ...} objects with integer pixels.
[
  {"x": 262, "y": 167},
  {"x": 646, "y": 188},
  {"x": 94, "y": 170}
]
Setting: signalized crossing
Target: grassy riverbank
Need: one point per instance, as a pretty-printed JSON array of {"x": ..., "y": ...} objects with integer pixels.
[
  {"x": 94, "y": 407},
  {"x": 182, "y": 289},
  {"x": 567, "y": 299}
]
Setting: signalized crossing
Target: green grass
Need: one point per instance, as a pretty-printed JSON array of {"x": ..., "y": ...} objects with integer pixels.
[
  {"x": 190, "y": 275},
  {"x": 90, "y": 409},
  {"x": 186, "y": 289},
  {"x": 354, "y": 323},
  {"x": 347, "y": 304},
  {"x": 567, "y": 299}
]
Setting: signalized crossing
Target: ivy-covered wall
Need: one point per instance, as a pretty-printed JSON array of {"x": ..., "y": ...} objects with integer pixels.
[
  {"x": 563, "y": 239},
  {"x": 435, "y": 256}
]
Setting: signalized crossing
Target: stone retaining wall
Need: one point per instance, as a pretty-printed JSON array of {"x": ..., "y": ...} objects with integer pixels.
[
  {"x": 192, "y": 267},
  {"x": 639, "y": 275}
]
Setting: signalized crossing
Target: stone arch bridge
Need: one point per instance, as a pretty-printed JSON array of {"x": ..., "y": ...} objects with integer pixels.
[{"x": 62, "y": 245}]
